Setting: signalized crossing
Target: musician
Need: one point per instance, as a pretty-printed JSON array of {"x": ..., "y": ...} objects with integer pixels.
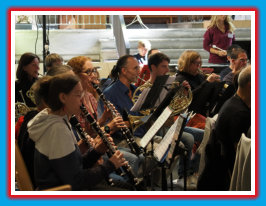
[
  {"x": 120, "y": 92},
  {"x": 53, "y": 60},
  {"x": 234, "y": 119},
  {"x": 145, "y": 71},
  {"x": 27, "y": 73},
  {"x": 226, "y": 70},
  {"x": 143, "y": 47},
  {"x": 219, "y": 33},
  {"x": 238, "y": 61},
  {"x": 26, "y": 145},
  {"x": 82, "y": 66},
  {"x": 159, "y": 66},
  {"x": 205, "y": 89},
  {"x": 58, "y": 160}
]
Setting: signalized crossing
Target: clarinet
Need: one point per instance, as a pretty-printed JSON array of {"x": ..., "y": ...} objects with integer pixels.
[
  {"x": 128, "y": 136},
  {"x": 75, "y": 123},
  {"x": 111, "y": 149}
]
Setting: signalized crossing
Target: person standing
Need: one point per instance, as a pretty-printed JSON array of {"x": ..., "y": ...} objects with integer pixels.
[{"x": 218, "y": 37}]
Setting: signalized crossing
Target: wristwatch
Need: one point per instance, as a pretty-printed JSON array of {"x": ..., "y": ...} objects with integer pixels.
[{"x": 107, "y": 129}]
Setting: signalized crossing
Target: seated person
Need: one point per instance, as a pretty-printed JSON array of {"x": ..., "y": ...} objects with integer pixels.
[
  {"x": 27, "y": 73},
  {"x": 238, "y": 61},
  {"x": 159, "y": 66},
  {"x": 83, "y": 68},
  {"x": 58, "y": 161},
  {"x": 53, "y": 60},
  {"x": 145, "y": 72},
  {"x": 234, "y": 118},
  {"x": 26, "y": 145},
  {"x": 142, "y": 56},
  {"x": 226, "y": 70},
  {"x": 205, "y": 89}
]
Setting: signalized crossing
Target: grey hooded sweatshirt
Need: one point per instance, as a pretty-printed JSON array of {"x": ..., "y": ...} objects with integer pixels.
[{"x": 57, "y": 158}]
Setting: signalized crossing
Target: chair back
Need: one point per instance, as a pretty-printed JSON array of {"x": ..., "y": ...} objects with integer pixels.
[
  {"x": 22, "y": 175},
  {"x": 241, "y": 176}
]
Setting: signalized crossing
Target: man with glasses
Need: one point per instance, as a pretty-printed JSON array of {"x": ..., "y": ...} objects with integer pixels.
[{"x": 238, "y": 61}]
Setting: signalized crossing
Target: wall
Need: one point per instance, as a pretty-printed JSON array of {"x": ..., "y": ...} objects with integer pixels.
[{"x": 67, "y": 43}]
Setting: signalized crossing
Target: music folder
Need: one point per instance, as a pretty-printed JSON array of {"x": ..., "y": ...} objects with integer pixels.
[
  {"x": 156, "y": 126},
  {"x": 151, "y": 97}
]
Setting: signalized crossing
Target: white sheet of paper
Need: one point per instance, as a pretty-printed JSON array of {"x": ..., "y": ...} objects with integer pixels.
[
  {"x": 155, "y": 127},
  {"x": 161, "y": 149}
]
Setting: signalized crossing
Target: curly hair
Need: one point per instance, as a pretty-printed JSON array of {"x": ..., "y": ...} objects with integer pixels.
[{"x": 77, "y": 63}]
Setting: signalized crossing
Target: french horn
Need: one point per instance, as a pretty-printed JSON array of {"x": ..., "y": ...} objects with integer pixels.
[
  {"x": 21, "y": 109},
  {"x": 180, "y": 102}
]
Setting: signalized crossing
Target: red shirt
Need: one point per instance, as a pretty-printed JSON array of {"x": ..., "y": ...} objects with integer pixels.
[
  {"x": 144, "y": 74},
  {"x": 213, "y": 36}
]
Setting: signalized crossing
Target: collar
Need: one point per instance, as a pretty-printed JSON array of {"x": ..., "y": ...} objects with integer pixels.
[{"x": 124, "y": 89}]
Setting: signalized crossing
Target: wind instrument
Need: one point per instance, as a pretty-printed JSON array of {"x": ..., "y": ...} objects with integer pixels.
[
  {"x": 76, "y": 124},
  {"x": 21, "y": 108},
  {"x": 111, "y": 148},
  {"x": 178, "y": 98},
  {"x": 128, "y": 136},
  {"x": 216, "y": 47}
]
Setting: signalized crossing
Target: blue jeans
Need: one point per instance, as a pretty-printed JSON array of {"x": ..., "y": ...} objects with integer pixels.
[
  {"x": 190, "y": 135},
  {"x": 135, "y": 163}
]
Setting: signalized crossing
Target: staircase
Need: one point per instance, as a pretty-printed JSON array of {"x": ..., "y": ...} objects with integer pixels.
[{"x": 171, "y": 41}]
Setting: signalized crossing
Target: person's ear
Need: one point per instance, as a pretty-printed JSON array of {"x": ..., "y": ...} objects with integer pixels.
[
  {"x": 153, "y": 68},
  {"x": 123, "y": 70},
  {"x": 62, "y": 97}
]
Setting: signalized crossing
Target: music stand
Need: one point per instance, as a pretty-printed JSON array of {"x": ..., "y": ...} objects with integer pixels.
[{"x": 169, "y": 148}]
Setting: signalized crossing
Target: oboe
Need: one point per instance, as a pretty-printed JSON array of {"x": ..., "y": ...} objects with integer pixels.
[
  {"x": 125, "y": 130},
  {"x": 111, "y": 149}
]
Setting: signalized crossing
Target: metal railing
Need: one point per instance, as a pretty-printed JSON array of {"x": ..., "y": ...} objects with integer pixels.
[{"x": 67, "y": 21}]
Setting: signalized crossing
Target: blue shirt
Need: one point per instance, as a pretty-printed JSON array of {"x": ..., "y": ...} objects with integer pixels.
[{"x": 117, "y": 94}]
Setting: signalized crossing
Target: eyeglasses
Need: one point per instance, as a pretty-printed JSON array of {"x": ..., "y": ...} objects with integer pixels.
[
  {"x": 91, "y": 71},
  {"x": 197, "y": 63},
  {"x": 244, "y": 60}
]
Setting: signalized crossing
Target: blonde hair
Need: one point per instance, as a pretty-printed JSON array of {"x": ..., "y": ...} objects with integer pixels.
[
  {"x": 186, "y": 59},
  {"x": 227, "y": 22},
  {"x": 52, "y": 58},
  {"x": 144, "y": 43}
]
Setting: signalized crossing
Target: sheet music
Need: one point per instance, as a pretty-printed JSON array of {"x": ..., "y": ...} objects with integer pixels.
[
  {"x": 164, "y": 145},
  {"x": 180, "y": 120},
  {"x": 142, "y": 97},
  {"x": 155, "y": 127}
]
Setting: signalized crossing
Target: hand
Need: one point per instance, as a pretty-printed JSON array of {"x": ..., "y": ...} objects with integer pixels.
[
  {"x": 213, "y": 78},
  {"x": 107, "y": 114},
  {"x": 222, "y": 53},
  {"x": 118, "y": 160},
  {"x": 186, "y": 84},
  {"x": 100, "y": 146},
  {"x": 91, "y": 141},
  {"x": 116, "y": 124}
]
